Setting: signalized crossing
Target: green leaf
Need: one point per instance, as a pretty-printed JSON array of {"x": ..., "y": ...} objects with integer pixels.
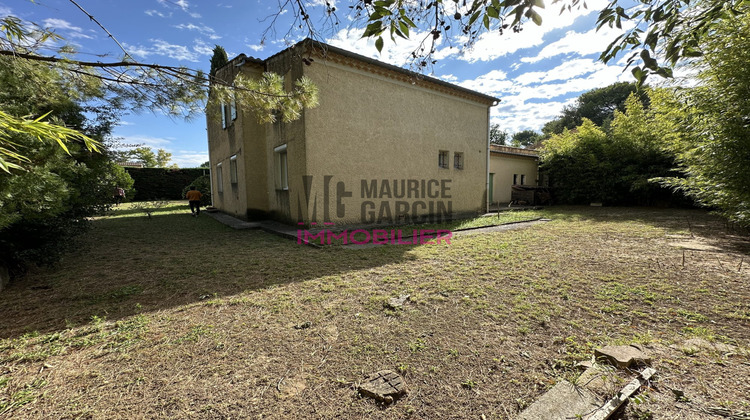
[
  {"x": 404, "y": 28},
  {"x": 492, "y": 12},
  {"x": 379, "y": 44},
  {"x": 536, "y": 17}
]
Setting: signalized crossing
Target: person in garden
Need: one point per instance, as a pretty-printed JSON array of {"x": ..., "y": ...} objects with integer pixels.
[{"x": 194, "y": 198}]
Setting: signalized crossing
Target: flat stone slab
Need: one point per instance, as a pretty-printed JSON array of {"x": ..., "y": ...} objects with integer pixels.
[
  {"x": 563, "y": 401},
  {"x": 694, "y": 345},
  {"x": 397, "y": 303},
  {"x": 385, "y": 386},
  {"x": 622, "y": 356}
]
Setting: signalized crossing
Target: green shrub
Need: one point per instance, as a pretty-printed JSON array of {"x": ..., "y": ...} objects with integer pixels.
[
  {"x": 202, "y": 184},
  {"x": 162, "y": 183}
]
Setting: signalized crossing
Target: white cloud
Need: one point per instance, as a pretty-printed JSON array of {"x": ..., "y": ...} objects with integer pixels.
[
  {"x": 256, "y": 47},
  {"x": 203, "y": 29},
  {"x": 492, "y": 45},
  {"x": 202, "y": 48},
  {"x": 189, "y": 158},
  {"x": 174, "y": 51},
  {"x": 5, "y": 11},
  {"x": 531, "y": 99},
  {"x": 139, "y": 140},
  {"x": 397, "y": 54},
  {"x": 591, "y": 42},
  {"x": 312, "y": 3},
  {"x": 158, "y": 13},
  {"x": 64, "y": 25},
  {"x": 565, "y": 71}
]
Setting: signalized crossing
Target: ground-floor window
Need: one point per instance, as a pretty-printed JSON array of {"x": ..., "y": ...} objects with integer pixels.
[
  {"x": 219, "y": 178},
  {"x": 233, "y": 169},
  {"x": 282, "y": 169}
]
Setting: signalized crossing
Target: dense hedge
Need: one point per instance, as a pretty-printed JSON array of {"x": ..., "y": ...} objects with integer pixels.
[{"x": 162, "y": 183}]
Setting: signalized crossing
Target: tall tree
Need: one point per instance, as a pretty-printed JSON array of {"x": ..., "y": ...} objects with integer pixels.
[
  {"x": 49, "y": 198},
  {"x": 713, "y": 140},
  {"x": 497, "y": 136},
  {"x": 614, "y": 166},
  {"x": 525, "y": 138},
  {"x": 597, "y": 105},
  {"x": 218, "y": 59}
]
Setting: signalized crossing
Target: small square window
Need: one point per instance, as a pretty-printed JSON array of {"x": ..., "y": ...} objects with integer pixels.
[
  {"x": 233, "y": 169},
  {"x": 219, "y": 179},
  {"x": 443, "y": 159},
  {"x": 458, "y": 160}
]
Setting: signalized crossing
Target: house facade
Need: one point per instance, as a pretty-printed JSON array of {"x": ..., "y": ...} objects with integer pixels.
[
  {"x": 511, "y": 166},
  {"x": 383, "y": 146}
]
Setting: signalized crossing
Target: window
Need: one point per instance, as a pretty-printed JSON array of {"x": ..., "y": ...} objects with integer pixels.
[
  {"x": 223, "y": 115},
  {"x": 282, "y": 170},
  {"x": 523, "y": 179},
  {"x": 233, "y": 169},
  {"x": 233, "y": 109},
  {"x": 443, "y": 159},
  {"x": 219, "y": 179},
  {"x": 458, "y": 160},
  {"x": 515, "y": 179}
]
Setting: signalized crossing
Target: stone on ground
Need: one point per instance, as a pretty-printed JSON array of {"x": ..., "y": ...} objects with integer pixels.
[
  {"x": 398, "y": 303},
  {"x": 385, "y": 386},
  {"x": 622, "y": 356},
  {"x": 563, "y": 401}
]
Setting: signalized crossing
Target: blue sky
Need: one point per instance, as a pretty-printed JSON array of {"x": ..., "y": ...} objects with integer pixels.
[{"x": 535, "y": 73}]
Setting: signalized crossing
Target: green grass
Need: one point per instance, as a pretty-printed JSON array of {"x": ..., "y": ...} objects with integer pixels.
[{"x": 151, "y": 316}]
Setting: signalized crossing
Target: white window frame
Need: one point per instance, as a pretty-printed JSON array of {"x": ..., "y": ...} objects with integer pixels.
[
  {"x": 443, "y": 159},
  {"x": 233, "y": 169},
  {"x": 233, "y": 108},
  {"x": 219, "y": 178},
  {"x": 223, "y": 115},
  {"x": 281, "y": 170}
]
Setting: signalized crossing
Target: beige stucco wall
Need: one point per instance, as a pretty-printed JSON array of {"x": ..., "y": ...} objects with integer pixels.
[
  {"x": 246, "y": 139},
  {"x": 372, "y": 127},
  {"x": 367, "y": 127},
  {"x": 504, "y": 166}
]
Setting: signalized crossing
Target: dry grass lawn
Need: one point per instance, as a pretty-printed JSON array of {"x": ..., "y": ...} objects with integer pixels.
[{"x": 178, "y": 317}]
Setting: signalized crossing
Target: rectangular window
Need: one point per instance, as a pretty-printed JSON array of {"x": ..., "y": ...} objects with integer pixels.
[
  {"x": 515, "y": 179},
  {"x": 233, "y": 169},
  {"x": 223, "y": 115},
  {"x": 219, "y": 179},
  {"x": 443, "y": 159},
  {"x": 233, "y": 109},
  {"x": 282, "y": 170},
  {"x": 523, "y": 179},
  {"x": 458, "y": 160}
]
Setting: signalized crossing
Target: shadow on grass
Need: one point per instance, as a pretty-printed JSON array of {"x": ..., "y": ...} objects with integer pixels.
[{"x": 130, "y": 265}]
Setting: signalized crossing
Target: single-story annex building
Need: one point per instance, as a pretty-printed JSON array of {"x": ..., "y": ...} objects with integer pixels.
[
  {"x": 384, "y": 145},
  {"x": 511, "y": 166}
]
